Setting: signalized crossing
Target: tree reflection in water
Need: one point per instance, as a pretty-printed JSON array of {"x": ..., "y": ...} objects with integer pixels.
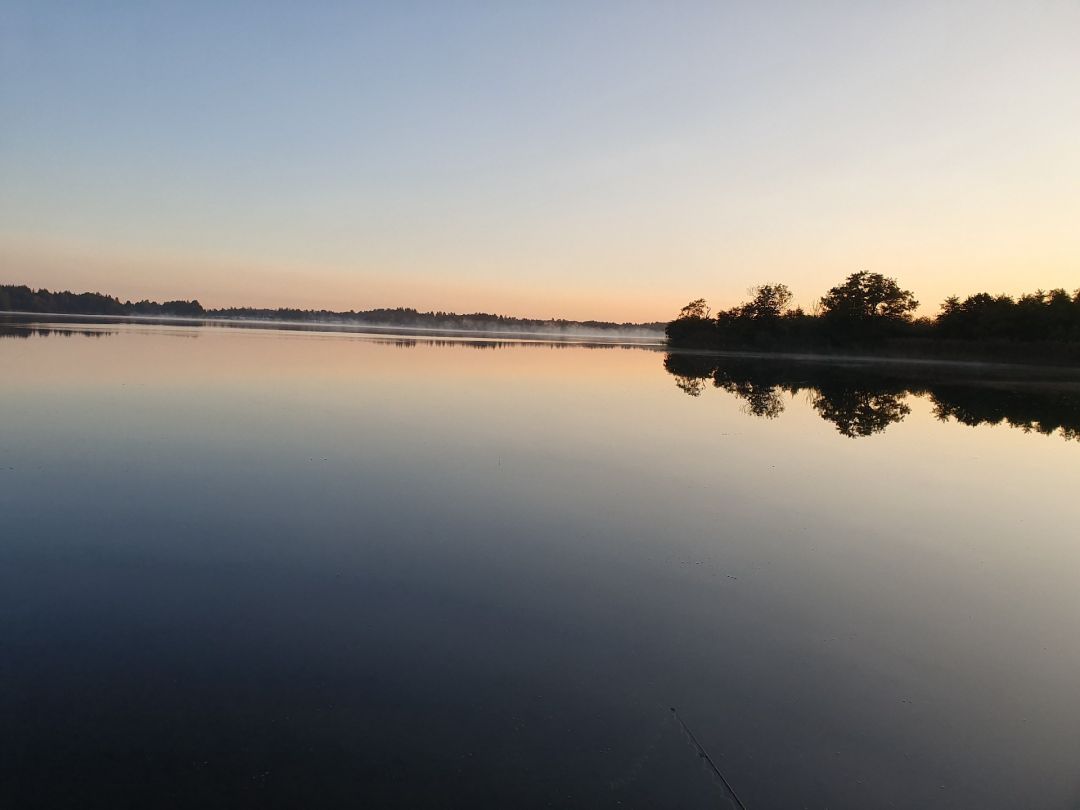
[
  {"x": 859, "y": 412},
  {"x": 863, "y": 399},
  {"x": 8, "y": 330}
]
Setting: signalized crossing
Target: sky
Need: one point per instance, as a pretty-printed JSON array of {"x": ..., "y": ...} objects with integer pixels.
[{"x": 560, "y": 159}]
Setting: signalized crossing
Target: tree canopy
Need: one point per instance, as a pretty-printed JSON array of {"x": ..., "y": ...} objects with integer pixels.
[
  {"x": 697, "y": 308},
  {"x": 769, "y": 302},
  {"x": 865, "y": 296},
  {"x": 873, "y": 311}
]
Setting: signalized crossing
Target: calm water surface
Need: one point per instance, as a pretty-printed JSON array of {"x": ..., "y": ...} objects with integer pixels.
[{"x": 258, "y": 568}]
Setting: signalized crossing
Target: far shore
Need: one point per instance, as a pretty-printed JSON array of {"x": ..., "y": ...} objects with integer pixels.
[
  {"x": 645, "y": 338},
  {"x": 1063, "y": 372},
  {"x": 913, "y": 362}
]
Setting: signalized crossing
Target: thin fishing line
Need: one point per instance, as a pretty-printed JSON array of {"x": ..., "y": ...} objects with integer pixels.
[{"x": 707, "y": 758}]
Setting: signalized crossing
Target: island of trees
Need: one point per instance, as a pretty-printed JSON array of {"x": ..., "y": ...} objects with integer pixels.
[
  {"x": 870, "y": 313},
  {"x": 20, "y": 298}
]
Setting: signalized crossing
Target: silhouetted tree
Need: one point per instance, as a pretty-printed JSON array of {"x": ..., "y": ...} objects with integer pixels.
[
  {"x": 693, "y": 327},
  {"x": 189, "y": 309},
  {"x": 867, "y": 298},
  {"x": 769, "y": 303},
  {"x": 1039, "y": 316},
  {"x": 698, "y": 308}
]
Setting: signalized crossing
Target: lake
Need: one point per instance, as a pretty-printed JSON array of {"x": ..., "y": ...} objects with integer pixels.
[{"x": 292, "y": 568}]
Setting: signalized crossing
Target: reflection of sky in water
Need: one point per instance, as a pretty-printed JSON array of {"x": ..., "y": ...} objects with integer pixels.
[{"x": 327, "y": 566}]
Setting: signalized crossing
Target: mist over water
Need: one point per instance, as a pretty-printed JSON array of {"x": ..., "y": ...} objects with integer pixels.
[{"x": 281, "y": 568}]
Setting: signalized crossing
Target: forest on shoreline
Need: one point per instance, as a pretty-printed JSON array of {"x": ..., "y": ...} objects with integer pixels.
[
  {"x": 867, "y": 313},
  {"x": 21, "y": 298},
  {"x": 872, "y": 314}
]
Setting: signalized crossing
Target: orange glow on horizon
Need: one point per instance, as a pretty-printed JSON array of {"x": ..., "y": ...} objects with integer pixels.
[{"x": 233, "y": 283}]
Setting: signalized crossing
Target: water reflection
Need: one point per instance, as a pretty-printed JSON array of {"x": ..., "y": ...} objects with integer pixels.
[
  {"x": 15, "y": 325},
  {"x": 495, "y": 343},
  {"x": 277, "y": 569},
  {"x": 863, "y": 399},
  {"x": 9, "y": 330},
  {"x": 23, "y": 326}
]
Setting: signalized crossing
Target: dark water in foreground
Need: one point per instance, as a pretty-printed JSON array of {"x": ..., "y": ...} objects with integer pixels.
[{"x": 283, "y": 569}]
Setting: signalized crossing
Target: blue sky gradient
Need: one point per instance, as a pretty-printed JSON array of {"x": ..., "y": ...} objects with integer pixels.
[{"x": 579, "y": 159}]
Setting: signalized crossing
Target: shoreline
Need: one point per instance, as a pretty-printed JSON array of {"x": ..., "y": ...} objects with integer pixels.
[
  {"x": 896, "y": 361},
  {"x": 913, "y": 362},
  {"x": 599, "y": 336}
]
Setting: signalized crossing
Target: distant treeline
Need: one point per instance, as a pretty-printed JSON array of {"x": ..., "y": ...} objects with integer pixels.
[
  {"x": 871, "y": 312},
  {"x": 408, "y": 317},
  {"x": 24, "y": 299},
  {"x": 21, "y": 298}
]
